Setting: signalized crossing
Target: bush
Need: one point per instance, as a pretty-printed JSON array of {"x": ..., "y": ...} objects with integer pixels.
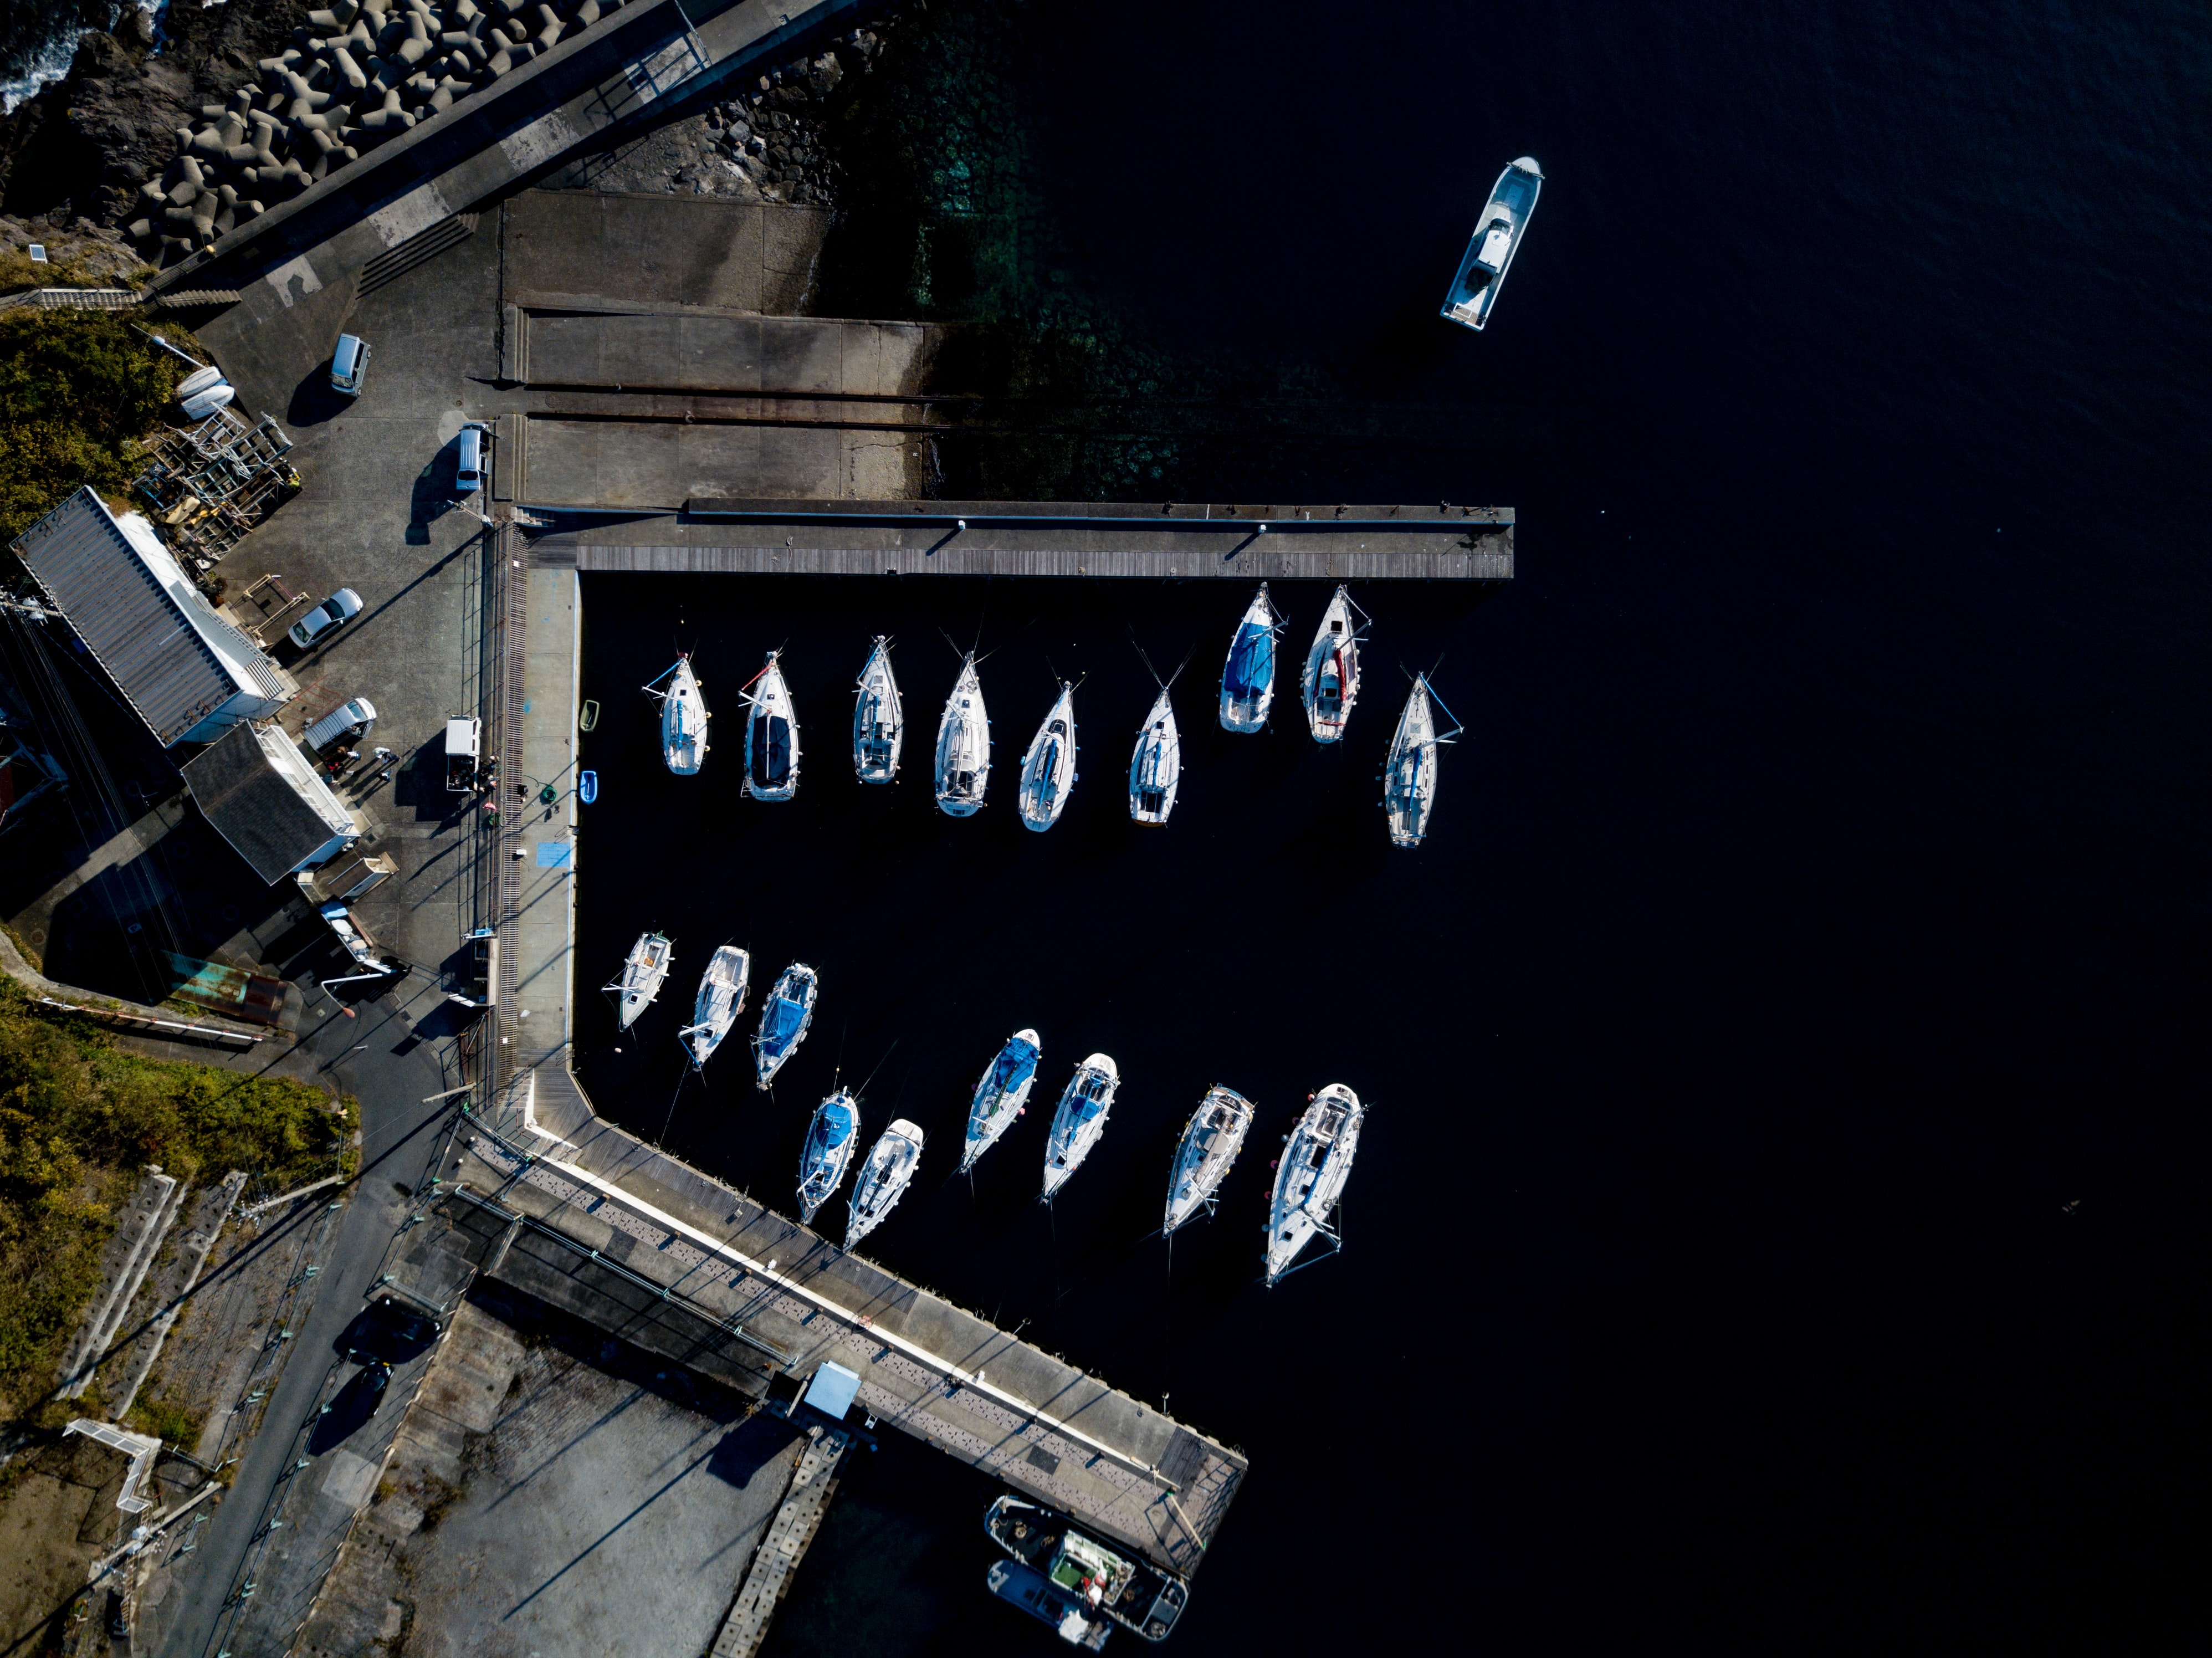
[{"x": 76, "y": 390}]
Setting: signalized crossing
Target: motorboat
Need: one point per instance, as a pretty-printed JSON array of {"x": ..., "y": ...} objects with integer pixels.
[
  {"x": 682, "y": 719},
  {"x": 1247, "y": 679},
  {"x": 1001, "y": 1094},
  {"x": 1409, "y": 775},
  {"x": 964, "y": 746},
  {"x": 1156, "y": 768},
  {"x": 878, "y": 718},
  {"x": 829, "y": 1148},
  {"x": 1045, "y": 1600},
  {"x": 771, "y": 735},
  {"x": 785, "y": 1018},
  {"x": 1080, "y": 1120},
  {"x": 1331, "y": 682},
  {"x": 1497, "y": 234},
  {"x": 721, "y": 999},
  {"x": 1048, "y": 768},
  {"x": 644, "y": 970},
  {"x": 1310, "y": 1176},
  {"x": 883, "y": 1177},
  {"x": 1210, "y": 1140},
  {"x": 1106, "y": 1580}
]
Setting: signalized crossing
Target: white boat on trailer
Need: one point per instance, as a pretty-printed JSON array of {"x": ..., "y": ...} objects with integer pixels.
[
  {"x": 878, "y": 718},
  {"x": 964, "y": 746},
  {"x": 771, "y": 735},
  {"x": 722, "y": 997},
  {"x": 827, "y": 1151},
  {"x": 1156, "y": 767},
  {"x": 1409, "y": 775},
  {"x": 1496, "y": 236},
  {"x": 644, "y": 971},
  {"x": 785, "y": 1019},
  {"x": 1247, "y": 677},
  {"x": 682, "y": 719},
  {"x": 1080, "y": 1120},
  {"x": 1331, "y": 682},
  {"x": 883, "y": 1178},
  {"x": 1309, "y": 1177},
  {"x": 1048, "y": 768},
  {"x": 1210, "y": 1140},
  {"x": 1001, "y": 1094}
]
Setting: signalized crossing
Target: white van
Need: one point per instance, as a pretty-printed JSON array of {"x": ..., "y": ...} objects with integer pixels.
[
  {"x": 343, "y": 724},
  {"x": 348, "y": 364},
  {"x": 474, "y": 470}
]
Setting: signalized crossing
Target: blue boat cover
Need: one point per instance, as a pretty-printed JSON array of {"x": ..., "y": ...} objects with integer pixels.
[{"x": 1251, "y": 661}]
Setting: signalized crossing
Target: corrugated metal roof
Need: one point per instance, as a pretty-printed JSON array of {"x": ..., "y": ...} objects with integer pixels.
[
  {"x": 261, "y": 796},
  {"x": 144, "y": 624}
]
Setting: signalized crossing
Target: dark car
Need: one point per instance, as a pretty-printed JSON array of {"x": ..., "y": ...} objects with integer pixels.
[{"x": 389, "y": 1331}]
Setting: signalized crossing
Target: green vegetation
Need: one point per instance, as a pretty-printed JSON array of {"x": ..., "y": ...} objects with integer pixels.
[
  {"x": 153, "y": 1413},
  {"x": 79, "y": 1120},
  {"x": 76, "y": 390}
]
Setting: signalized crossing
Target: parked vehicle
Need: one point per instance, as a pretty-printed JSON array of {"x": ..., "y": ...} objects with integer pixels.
[
  {"x": 473, "y": 470},
  {"x": 340, "y": 608},
  {"x": 350, "y": 365},
  {"x": 349, "y": 722},
  {"x": 463, "y": 738}
]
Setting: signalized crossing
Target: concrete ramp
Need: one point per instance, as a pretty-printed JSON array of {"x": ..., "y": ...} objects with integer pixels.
[{"x": 688, "y": 250}]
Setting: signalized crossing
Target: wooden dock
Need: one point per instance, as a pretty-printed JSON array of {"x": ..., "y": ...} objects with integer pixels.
[{"x": 769, "y": 1579}]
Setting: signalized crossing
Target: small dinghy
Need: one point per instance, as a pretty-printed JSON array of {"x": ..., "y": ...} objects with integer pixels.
[
  {"x": 1210, "y": 1140},
  {"x": 1247, "y": 679},
  {"x": 771, "y": 736},
  {"x": 1048, "y": 768},
  {"x": 1409, "y": 776},
  {"x": 878, "y": 718},
  {"x": 1497, "y": 234},
  {"x": 883, "y": 1178},
  {"x": 643, "y": 972},
  {"x": 1330, "y": 684},
  {"x": 829, "y": 1148},
  {"x": 964, "y": 746},
  {"x": 1310, "y": 1179},
  {"x": 1156, "y": 768},
  {"x": 785, "y": 1016},
  {"x": 721, "y": 999},
  {"x": 1000, "y": 1098},
  {"x": 587, "y": 786},
  {"x": 682, "y": 719},
  {"x": 1080, "y": 1120}
]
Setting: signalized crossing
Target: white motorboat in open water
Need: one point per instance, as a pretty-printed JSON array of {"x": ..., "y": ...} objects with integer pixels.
[
  {"x": 771, "y": 736},
  {"x": 1247, "y": 679},
  {"x": 721, "y": 999},
  {"x": 785, "y": 1018},
  {"x": 1156, "y": 768},
  {"x": 1497, "y": 234},
  {"x": 878, "y": 718},
  {"x": 964, "y": 746},
  {"x": 1331, "y": 682},
  {"x": 1001, "y": 1094},
  {"x": 1210, "y": 1140},
  {"x": 883, "y": 1178},
  {"x": 1048, "y": 768},
  {"x": 1310, "y": 1179},
  {"x": 1409, "y": 775},
  {"x": 1080, "y": 1120},
  {"x": 644, "y": 970},
  {"x": 682, "y": 719},
  {"x": 829, "y": 1148}
]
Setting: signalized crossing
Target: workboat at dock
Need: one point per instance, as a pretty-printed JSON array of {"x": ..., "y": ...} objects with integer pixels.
[{"x": 1102, "y": 1579}]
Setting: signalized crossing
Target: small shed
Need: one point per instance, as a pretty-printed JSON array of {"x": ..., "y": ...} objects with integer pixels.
[{"x": 262, "y": 795}]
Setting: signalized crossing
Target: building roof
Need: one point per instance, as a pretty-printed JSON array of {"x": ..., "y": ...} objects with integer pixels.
[
  {"x": 258, "y": 790},
  {"x": 129, "y": 600}
]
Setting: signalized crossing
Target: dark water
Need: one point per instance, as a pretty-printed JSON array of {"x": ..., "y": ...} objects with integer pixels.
[{"x": 1770, "y": 1228}]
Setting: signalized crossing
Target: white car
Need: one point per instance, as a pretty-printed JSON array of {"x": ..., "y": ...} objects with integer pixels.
[{"x": 340, "y": 608}]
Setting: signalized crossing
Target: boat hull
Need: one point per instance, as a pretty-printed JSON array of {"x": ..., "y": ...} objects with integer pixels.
[
  {"x": 963, "y": 747},
  {"x": 1498, "y": 233},
  {"x": 644, "y": 971},
  {"x": 1310, "y": 1175},
  {"x": 1210, "y": 1140},
  {"x": 878, "y": 720},
  {"x": 722, "y": 997},
  {"x": 1330, "y": 684},
  {"x": 1080, "y": 1120},
  {"x": 1001, "y": 1095},
  {"x": 1156, "y": 767},
  {"x": 827, "y": 1153},
  {"x": 883, "y": 1179},
  {"x": 786, "y": 1017},
  {"x": 771, "y": 737},
  {"x": 684, "y": 723},
  {"x": 1048, "y": 768},
  {"x": 1247, "y": 677},
  {"x": 1409, "y": 775}
]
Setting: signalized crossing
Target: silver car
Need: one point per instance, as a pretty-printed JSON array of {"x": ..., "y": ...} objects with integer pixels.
[{"x": 340, "y": 608}]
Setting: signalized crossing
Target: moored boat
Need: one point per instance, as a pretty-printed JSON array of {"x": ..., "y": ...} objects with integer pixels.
[
  {"x": 1310, "y": 1176},
  {"x": 1080, "y": 1120},
  {"x": 1001, "y": 1094},
  {"x": 722, "y": 997},
  {"x": 1331, "y": 682},
  {"x": 1210, "y": 1140},
  {"x": 883, "y": 1178},
  {"x": 1156, "y": 767},
  {"x": 829, "y": 1148},
  {"x": 964, "y": 746},
  {"x": 878, "y": 718},
  {"x": 1497, "y": 235},
  {"x": 1409, "y": 775},
  {"x": 1048, "y": 768},
  {"x": 683, "y": 719},
  {"x": 1046, "y": 1601},
  {"x": 1247, "y": 677},
  {"x": 1104, "y": 1579},
  {"x": 785, "y": 1018},
  {"x": 643, "y": 971},
  {"x": 771, "y": 735}
]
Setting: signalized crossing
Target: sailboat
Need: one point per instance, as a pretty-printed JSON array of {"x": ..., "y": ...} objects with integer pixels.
[
  {"x": 1156, "y": 767},
  {"x": 1497, "y": 235},
  {"x": 1210, "y": 1140},
  {"x": 964, "y": 746},
  {"x": 721, "y": 999},
  {"x": 785, "y": 1018},
  {"x": 644, "y": 970},
  {"x": 1080, "y": 1120},
  {"x": 1409, "y": 776},
  {"x": 829, "y": 1148},
  {"x": 1310, "y": 1178},
  {"x": 878, "y": 718},
  {"x": 1048, "y": 768},
  {"x": 1001, "y": 1094},
  {"x": 771, "y": 736},
  {"x": 884, "y": 1178},
  {"x": 682, "y": 719},
  {"x": 1247, "y": 679},
  {"x": 1331, "y": 682}
]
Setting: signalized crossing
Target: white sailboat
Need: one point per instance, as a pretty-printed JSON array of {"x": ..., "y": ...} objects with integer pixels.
[
  {"x": 785, "y": 1019},
  {"x": 1331, "y": 682},
  {"x": 828, "y": 1151},
  {"x": 883, "y": 1178},
  {"x": 771, "y": 736},
  {"x": 682, "y": 719},
  {"x": 1001, "y": 1094},
  {"x": 878, "y": 718},
  {"x": 964, "y": 746},
  {"x": 1247, "y": 679},
  {"x": 1048, "y": 768},
  {"x": 644, "y": 970},
  {"x": 1409, "y": 776},
  {"x": 1497, "y": 235},
  {"x": 722, "y": 997},
  {"x": 1210, "y": 1140},
  {"x": 1310, "y": 1178},
  {"x": 1080, "y": 1120},
  {"x": 1156, "y": 768}
]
